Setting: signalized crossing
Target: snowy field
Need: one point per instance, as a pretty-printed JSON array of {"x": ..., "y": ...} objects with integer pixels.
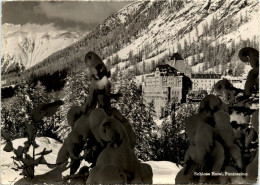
[{"x": 164, "y": 172}]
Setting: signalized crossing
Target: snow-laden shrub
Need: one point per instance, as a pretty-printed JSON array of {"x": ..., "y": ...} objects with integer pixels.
[{"x": 17, "y": 111}]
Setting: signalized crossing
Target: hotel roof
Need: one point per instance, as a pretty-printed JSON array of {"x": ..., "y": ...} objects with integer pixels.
[
  {"x": 169, "y": 70},
  {"x": 210, "y": 76}
]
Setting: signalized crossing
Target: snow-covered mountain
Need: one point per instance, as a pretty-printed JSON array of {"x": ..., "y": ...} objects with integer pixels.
[
  {"x": 207, "y": 33},
  {"x": 27, "y": 45}
]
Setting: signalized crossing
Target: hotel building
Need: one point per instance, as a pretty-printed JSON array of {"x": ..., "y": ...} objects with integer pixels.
[{"x": 164, "y": 84}]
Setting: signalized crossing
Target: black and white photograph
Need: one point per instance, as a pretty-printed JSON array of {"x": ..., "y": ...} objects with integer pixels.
[{"x": 129, "y": 92}]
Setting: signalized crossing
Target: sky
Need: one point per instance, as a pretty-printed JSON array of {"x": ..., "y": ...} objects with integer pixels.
[{"x": 68, "y": 15}]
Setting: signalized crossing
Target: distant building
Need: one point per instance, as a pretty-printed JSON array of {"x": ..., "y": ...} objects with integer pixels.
[
  {"x": 196, "y": 96},
  {"x": 180, "y": 64},
  {"x": 204, "y": 81},
  {"x": 164, "y": 84}
]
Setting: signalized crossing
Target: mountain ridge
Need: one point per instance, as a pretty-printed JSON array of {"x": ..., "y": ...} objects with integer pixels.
[{"x": 22, "y": 48}]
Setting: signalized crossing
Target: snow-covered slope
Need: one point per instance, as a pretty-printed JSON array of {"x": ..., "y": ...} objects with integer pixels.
[
  {"x": 8, "y": 175},
  {"x": 25, "y": 46},
  {"x": 164, "y": 172},
  {"x": 173, "y": 26},
  {"x": 122, "y": 15}
]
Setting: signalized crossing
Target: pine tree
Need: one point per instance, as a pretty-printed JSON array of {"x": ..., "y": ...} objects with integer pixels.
[
  {"x": 185, "y": 48},
  {"x": 198, "y": 58},
  {"x": 241, "y": 19},
  {"x": 109, "y": 63},
  {"x": 199, "y": 70},
  {"x": 75, "y": 94},
  {"x": 116, "y": 60},
  {"x": 140, "y": 116},
  {"x": 48, "y": 125},
  {"x": 38, "y": 94},
  {"x": 222, "y": 28},
  {"x": 179, "y": 48},
  {"x": 130, "y": 57},
  {"x": 152, "y": 65},
  {"x": 197, "y": 33},
  {"x": 217, "y": 69},
  {"x": 205, "y": 29},
  {"x": 114, "y": 76},
  {"x": 233, "y": 47},
  {"x": 173, "y": 138},
  {"x": 76, "y": 88},
  {"x": 15, "y": 114},
  {"x": 192, "y": 60},
  {"x": 135, "y": 70},
  {"x": 144, "y": 69}
]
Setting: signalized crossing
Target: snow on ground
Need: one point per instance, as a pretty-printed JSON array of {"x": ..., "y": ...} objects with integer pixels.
[
  {"x": 128, "y": 10},
  {"x": 197, "y": 67},
  {"x": 164, "y": 172},
  {"x": 9, "y": 175}
]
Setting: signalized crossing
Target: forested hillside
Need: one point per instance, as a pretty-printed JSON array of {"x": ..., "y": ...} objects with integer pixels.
[{"x": 208, "y": 34}]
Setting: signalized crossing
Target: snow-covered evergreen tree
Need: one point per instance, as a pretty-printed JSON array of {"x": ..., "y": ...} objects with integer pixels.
[
  {"x": 16, "y": 112},
  {"x": 140, "y": 116},
  {"x": 76, "y": 88},
  {"x": 75, "y": 94},
  {"x": 172, "y": 141}
]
